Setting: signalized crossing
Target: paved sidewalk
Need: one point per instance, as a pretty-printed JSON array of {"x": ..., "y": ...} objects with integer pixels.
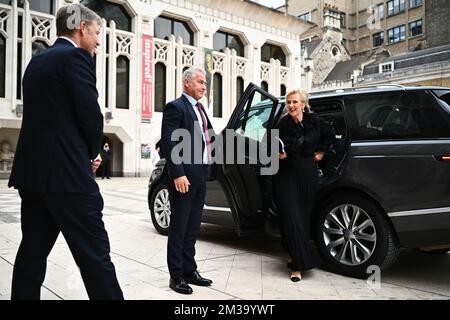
[{"x": 241, "y": 268}]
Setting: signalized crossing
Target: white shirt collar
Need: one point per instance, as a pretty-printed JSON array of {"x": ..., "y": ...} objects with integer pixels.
[
  {"x": 70, "y": 40},
  {"x": 191, "y": 99}
]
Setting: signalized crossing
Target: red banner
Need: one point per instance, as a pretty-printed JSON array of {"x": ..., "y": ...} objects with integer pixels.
[{"x": 147, "y": 77}]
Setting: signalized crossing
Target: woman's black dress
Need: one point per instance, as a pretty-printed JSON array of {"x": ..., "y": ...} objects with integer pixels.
[{"x": 295, "y": 184}]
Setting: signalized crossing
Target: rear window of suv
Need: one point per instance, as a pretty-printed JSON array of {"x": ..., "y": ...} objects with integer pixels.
[
  {"x": 397, "y": 115},
  {"x": 443, "y": 97}
]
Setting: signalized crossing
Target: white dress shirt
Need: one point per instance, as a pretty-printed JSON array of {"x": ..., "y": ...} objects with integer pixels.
[{"x": 193, "y": 103}]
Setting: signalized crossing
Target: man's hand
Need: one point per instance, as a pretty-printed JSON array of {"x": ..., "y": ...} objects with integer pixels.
[
  {"x": 283, "y": 156},
  {"x": 182, "y": 184},
  {"x": 318, "y": 155},
  {"x": 95, "y": 165}
]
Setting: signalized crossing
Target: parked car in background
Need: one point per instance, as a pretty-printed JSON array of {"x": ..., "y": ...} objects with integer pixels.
[{"x": 385, "y": 186}]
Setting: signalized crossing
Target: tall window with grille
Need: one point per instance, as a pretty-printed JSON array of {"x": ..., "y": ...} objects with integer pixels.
[
  {"x": 239, "y": 88},
  {"x": 160, "y": 86},
  {"x": 415, "y": 3},
  {"x": 122, "y": 82},
  {"x": 415, "y": 28},
  {"x": 397, "y": 34},
  {"x": 395, "y": 6},
  {"x": 217, "y": 95},
  {"x": 117, "y": 13},
  {"x": 378, "y": 39}
]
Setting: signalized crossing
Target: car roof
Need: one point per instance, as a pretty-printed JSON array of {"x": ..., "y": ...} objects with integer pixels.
[{"x": 369, "y": 89}]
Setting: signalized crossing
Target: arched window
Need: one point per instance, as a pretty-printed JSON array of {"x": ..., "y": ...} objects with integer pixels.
[
  {"x": 282, "y": 90},
  {"x": 2, "y": 65},
  {"x": 265, "y": 86},
  {"x": 224, "y": 40},
  {"x": 45, "y": 6},
  {"x": 123, "y": 83},
  {"x": 160, "y": 86},
  {"x": 239, "y": 88},
  {"x": 269, "y": 51},
  {"x": 110, "y": 11},
  {"x": 165, "y": 26},
  {"x": 217, "y": 95},
  {"x": 37, "y": 47}
]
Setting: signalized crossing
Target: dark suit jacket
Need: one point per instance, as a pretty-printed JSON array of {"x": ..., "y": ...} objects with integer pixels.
[
  {"x": 62, "y": 125},
  {"x": 179, "y": 114}
]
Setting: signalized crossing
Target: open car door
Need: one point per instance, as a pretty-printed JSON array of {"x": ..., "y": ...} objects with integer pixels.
[{"x": 247, "y": 151}]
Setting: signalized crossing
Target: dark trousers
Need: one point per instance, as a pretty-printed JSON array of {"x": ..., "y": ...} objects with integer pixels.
[
  {"x": 105, "y": 168},
  {"x": 79, "y": 218},
  {"x": 185, "y": 221}
]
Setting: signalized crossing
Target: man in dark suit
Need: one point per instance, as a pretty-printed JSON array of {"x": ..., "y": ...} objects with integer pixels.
[
  {"x": 186, "y": 179},
  {"x": 61, "y": 133},
  {"x": 106, "y": 160}
]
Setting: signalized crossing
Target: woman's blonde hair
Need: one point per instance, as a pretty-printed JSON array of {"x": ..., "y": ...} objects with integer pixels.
[{"x": 304, "y": 97}]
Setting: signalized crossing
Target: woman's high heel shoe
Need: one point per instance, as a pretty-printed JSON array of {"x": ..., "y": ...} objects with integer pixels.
[{"x": 296, "y": 276}]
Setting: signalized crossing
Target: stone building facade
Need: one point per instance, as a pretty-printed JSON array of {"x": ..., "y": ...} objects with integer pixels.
[
  {"x": 398, "y": 25},
  {"x": 146, "y": 45}
]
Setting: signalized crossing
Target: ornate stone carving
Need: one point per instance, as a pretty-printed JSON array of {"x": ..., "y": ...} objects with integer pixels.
[
  {"x": 41, "y": 28},
  {"x": 161, "y": 50}
]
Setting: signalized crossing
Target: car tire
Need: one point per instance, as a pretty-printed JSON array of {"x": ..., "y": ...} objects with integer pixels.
[
  {"x": 354, "y": 247},
  {"x": 159, "y": 206}
]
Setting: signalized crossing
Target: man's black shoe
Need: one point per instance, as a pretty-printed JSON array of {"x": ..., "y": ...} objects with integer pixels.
[
  {"x": 196, "y": 279},
  {"x": 179, "y": 285}
]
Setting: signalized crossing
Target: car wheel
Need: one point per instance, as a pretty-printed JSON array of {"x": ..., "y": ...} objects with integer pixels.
[
  {"x": 159, "y": 205},
  {"x": 353, "y": 235}
]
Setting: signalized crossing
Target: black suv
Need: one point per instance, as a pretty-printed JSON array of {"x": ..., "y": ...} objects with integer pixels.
[{"x": 386, "y": 185}]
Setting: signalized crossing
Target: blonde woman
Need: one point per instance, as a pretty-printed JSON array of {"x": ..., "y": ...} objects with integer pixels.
[{"x": 306, "y": 139}]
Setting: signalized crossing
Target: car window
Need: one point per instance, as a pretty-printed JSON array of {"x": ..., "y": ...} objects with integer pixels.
[
  {"x": 253, "y": 120},
  {"x": 443, "y": 97},
  {"x": 331, "y": 111},
  {"x": 391, "y": 116}
]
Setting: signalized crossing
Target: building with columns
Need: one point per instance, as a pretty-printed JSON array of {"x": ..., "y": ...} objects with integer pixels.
[{"x": 145, "y": 46}]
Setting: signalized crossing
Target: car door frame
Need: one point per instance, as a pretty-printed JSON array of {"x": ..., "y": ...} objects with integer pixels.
[{"x": 246, "y": 221}]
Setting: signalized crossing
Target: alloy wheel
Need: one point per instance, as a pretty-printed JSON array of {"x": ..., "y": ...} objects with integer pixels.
[
  {"x": 161, "y": 208},
  {"x": 349, "y": 234}
]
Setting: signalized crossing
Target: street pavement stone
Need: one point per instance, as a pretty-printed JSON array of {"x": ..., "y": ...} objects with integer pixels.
[{"x": 252, "y": 267}]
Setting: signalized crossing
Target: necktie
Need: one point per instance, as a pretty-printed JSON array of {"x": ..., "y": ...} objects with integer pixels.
[{"x": 205, "y": 129}]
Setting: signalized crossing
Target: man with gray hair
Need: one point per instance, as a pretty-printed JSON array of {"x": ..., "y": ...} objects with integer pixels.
[
  {"x": 186, "y": 181},
  {"x": 55, "y": 161}
]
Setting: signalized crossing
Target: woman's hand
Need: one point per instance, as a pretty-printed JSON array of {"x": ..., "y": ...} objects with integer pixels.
[
  {"x": 282, "y": 156},
  {"x": 318, "y": 155}
]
